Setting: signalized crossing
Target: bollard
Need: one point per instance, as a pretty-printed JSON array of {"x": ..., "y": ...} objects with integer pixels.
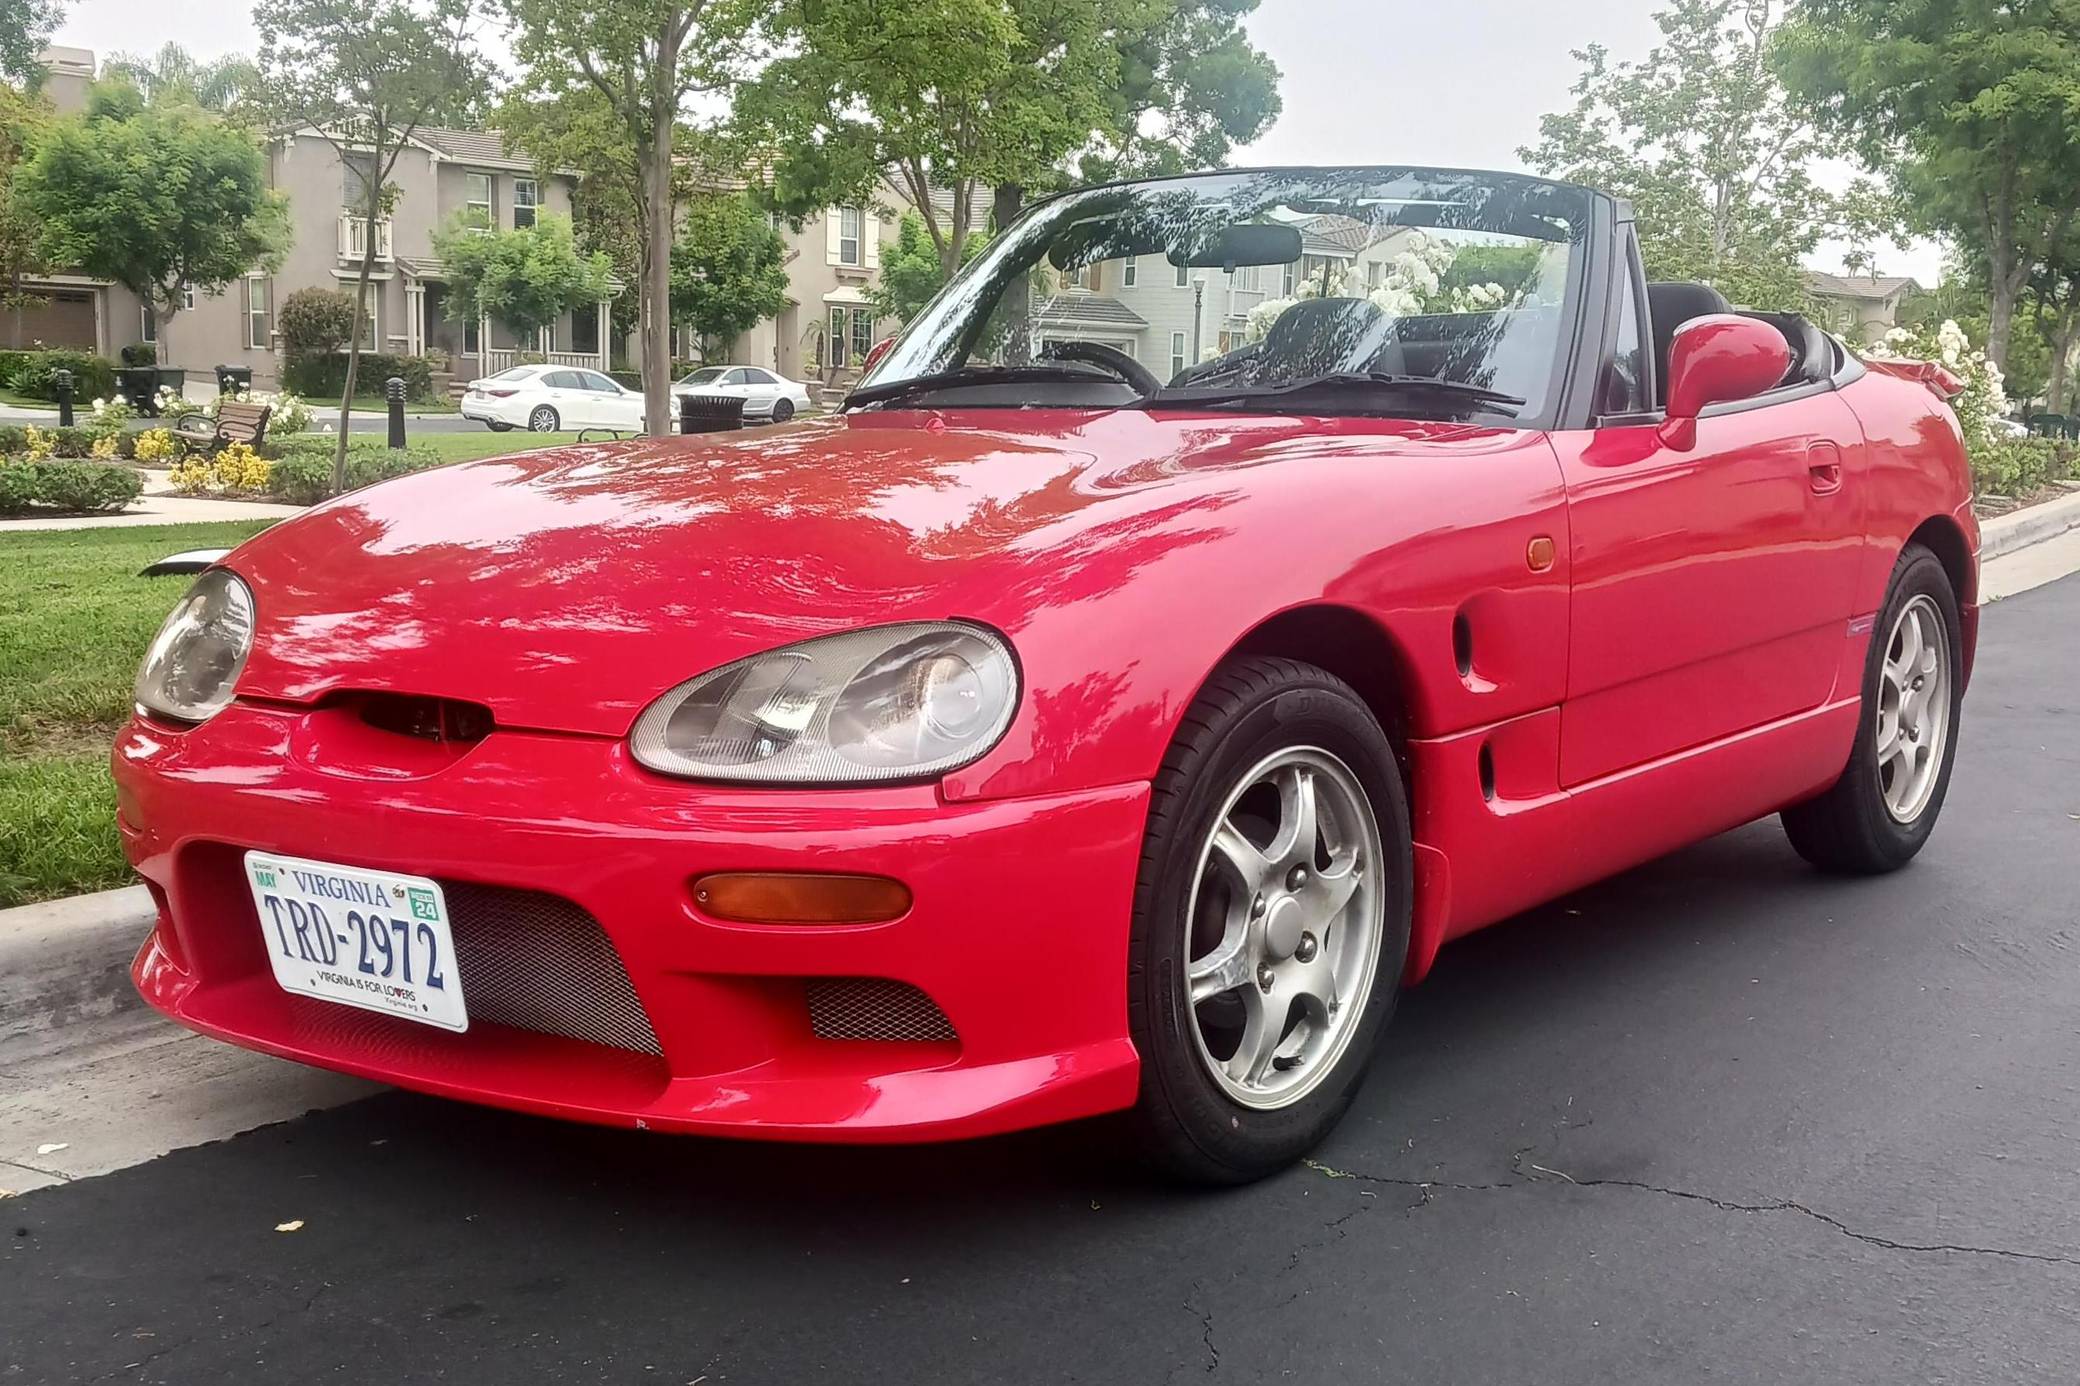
[
  {"x": 63, "y": 381},
  {"x": 393, "y": 391}
]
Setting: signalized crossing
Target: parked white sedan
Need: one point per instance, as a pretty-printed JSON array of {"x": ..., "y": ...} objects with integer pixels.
[
  {"x": 543, "y": 399},
  {"x": 766, "y": 396}
]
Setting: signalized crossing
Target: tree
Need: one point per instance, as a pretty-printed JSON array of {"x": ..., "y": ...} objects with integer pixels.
[
  {"x": 526, "y": 278},
  {"x": 1699, "y": 137},
  {"x": 911, "y": 272},
  {"x": 162, "y": 200},
  {"x": 611, "y": 79},
  {"x": 364, "y": 75},
  {"x": 315, "y": 323},
  {"x": 25, "y": 27},
  {"x": 19, "y": 117},
  {"x": 729, "y": 269},
  {"x": 1191, "y": 87},
  {"x": 223, "y": 85},
  {"x": 1976, "y": 106}
]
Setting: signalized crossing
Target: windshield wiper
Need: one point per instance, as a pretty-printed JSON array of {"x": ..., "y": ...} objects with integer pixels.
[
  {"x": 972, "y": 375},
  {"x": 1218, "y": 395}
]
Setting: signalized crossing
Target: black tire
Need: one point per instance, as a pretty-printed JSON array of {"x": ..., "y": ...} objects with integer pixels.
[
  {"x": 1184, "y": 1122},
  {"x": 1848, "y": 828},
  {"x": 498, "y": 426},
  {"x": 542, "y": 420},
  {"x": 783, "y": 410}
]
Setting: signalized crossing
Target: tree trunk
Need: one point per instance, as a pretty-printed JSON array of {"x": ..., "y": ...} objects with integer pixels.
[
  {"x": 361, "y": 282},
  {"x": 2000, "y": 326},
  {"x": 1018, "y": 345},
  {"x": 2062, "y": 340},
  {"x": 657, "y": 217}
]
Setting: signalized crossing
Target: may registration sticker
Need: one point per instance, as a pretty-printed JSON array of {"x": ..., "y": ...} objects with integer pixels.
[{"x": 373, "y": 939}]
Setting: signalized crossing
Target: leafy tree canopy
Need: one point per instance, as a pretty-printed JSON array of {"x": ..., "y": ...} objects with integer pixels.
[
  {"x": 911, "y": 272},
  {"x": 25, "y": 27},
  {"x": 315, "y": 322},
  {"x": 729, "y": 268},
  {"x": 154, "y": 198},
  {"x": 20, "y": 115},
  {"x": 1975, "y": 105},
  {"x": 227, "y": 85},
  {"x": 1699, "y": 137},
  {"x": 1191, "y": 87},
  {"x": 526, "y": 278}
]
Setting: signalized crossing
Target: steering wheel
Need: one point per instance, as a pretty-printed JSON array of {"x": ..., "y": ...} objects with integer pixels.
[{"x": 1106, "y": 358}]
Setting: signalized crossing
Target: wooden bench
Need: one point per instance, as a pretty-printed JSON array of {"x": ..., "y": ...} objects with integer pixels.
[{"x": 235, "y": 423}]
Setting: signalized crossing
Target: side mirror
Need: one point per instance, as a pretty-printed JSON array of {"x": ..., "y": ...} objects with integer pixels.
[{"x": 1716, "y": 359}]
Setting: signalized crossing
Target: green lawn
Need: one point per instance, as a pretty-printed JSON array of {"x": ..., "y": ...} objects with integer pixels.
[
  {"x": 376, "y": 404},
  {"x": 74, "y": 621},
  {"x": 24, "y": 402}
]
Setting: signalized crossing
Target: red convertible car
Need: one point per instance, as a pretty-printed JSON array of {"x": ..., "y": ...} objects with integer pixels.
[{"x": 1229, "y": 590}]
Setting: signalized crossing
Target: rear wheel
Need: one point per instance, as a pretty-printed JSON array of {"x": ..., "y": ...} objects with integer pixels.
[
  {"x": 783, "y": 410},
  {"x": 1271, "y": 921},
  {"x": 1876, "y": 817},
  {"x": 542, "y": 420}
]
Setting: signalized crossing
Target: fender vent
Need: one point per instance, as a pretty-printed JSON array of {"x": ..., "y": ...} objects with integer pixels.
[{"x": 873, "y": 1008}]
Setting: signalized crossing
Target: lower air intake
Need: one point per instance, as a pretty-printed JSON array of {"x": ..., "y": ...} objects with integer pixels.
[
  {"x": 537, "y": 962},
  {"x": 873, "y": 1008}
]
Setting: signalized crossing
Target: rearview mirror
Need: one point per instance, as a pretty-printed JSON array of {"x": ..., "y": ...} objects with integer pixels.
[
  {"x": 1716, "y": 359},
  {"x": 1245, "y": 243}
]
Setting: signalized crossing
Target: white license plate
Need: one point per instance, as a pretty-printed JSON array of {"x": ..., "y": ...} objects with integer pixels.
[{"x": 374, "y": 939}]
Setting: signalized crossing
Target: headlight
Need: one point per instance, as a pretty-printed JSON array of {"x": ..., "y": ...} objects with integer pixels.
[
  {"x": 899, "y": 702},
  {"x": 189, "y": 671}
]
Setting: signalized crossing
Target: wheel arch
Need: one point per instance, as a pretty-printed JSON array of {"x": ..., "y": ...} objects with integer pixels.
[{"x": 1945, "y": 538}]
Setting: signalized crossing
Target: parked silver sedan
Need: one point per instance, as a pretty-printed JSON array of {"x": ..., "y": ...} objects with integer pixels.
[{"x": 766, "y": 396}]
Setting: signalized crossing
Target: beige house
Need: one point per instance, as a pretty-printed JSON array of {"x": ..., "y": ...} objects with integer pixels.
[
  {"x": 1859, "y": 308},
  {"x": 442, "y": 176}
]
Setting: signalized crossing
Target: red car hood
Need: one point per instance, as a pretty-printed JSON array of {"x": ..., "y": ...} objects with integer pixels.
[{"x": 565, "y": 589}]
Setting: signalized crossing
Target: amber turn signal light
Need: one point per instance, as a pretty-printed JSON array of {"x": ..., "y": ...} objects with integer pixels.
[{"x": 784, "y": 897}]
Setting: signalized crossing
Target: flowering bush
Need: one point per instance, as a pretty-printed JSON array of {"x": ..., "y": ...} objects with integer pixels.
[
  {"x": 108, "y": 418},
  {"x": 37, "y": 444},
  {"x": 290, "y": 414},
  {"x": 1995, "y": 464},
  {"x": 1411, "y": 284},
  {"x": 174, "y": 405},
  {"x": 107, "y": 448},
  {"x": 155, "y": 445},
  {"x": 236, "y": 467}
]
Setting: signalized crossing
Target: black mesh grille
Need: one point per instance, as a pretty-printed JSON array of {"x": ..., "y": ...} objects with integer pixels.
[
  {"x": 873, "y": 1008},
  {"x": 537, "y": 962}
]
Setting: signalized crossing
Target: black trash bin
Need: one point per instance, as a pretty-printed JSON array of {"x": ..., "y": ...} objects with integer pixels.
[
  {"x": 232, "y": 380},
  {"x": 139, "y": 386},
  {"x": 710, "y": 413}
]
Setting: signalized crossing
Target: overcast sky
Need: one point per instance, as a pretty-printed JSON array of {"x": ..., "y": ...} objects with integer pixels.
[{"x": 1460, "y": 83}]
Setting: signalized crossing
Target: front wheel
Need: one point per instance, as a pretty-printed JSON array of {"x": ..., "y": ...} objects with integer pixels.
[
  {"x": 1271, "y": 921},
  {"x": 1877, "y": 816},
  {"x": 542, "y": 420}
]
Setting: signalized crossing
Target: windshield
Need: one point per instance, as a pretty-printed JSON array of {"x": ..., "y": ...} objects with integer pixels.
[
  {"x": 1269, "y": 288},
  {"x": 703, "y": 377}
]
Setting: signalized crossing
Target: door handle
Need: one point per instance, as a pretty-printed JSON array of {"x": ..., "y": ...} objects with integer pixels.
[{"x": 1824, "y": 468}]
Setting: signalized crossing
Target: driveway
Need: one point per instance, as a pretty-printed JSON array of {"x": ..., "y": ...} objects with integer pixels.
[{"x": 1719, "y": 1119}]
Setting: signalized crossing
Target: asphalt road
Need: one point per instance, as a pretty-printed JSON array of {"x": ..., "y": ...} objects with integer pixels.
[{"x": 1718, "y": 1120}]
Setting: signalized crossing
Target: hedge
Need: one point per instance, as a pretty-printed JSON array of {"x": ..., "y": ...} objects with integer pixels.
[
  {"x": 68, "y": 486},
  {"x": 321, "y": 376},
  {"x": 33, "y": 373},
  {"x": 65, "y": 442},
  {"x": 302, "y": 473},
  {"x": 2018, "y": 466}
]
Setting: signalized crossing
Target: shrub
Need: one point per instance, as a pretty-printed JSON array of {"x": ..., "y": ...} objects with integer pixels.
[
  {"x": 17, "y": 487},
  {"x": 34, "y": 373},
  {"x": 67, "y": 486},
  {"x": 2018, "y": 466},
  {"x": 154, "y": 445},
  {"x": 14, "y": 440},
  {"x": 234, "y": 467},
  {"x": 107, "y": 418},
  {"x": 140, "y": 354},
  {"x": 315, "y": 322},
  {"x": 174, "y": 405},
  {"x": 327, "y": 375},
  {"x": 303, "y": 474}
]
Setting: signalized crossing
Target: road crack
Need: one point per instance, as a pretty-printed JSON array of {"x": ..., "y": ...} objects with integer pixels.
[{"x": 1784, "y": 1205}]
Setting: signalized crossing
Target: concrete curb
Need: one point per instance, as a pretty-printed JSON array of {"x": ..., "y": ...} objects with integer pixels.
[
  {"x": 2008, "y": 533},
  {"x": 65, "y": 961}
]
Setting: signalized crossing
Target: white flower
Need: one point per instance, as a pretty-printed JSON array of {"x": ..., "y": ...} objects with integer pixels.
[{"x": 1258, "y": 326}]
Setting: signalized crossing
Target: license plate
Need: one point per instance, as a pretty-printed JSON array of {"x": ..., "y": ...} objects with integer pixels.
[{"x": 374, "y": 939}]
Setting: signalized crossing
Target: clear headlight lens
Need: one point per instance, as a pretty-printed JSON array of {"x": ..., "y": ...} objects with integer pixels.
[
  {"x": 899, "y": 702},
  {"x": 191, "y": 667}
]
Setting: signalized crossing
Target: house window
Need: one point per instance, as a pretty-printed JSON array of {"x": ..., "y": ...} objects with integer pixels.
[
  {"x": 850, "y": 220},
  {"x": 476, "y": 200},
  {"x": 256, "y": 312},
  {"x": 862, "y": 333},
  {"x": 1286, "y": 282},
  {"x": 527, "y": 195},
  {"x": 1373, "y": 272},
  {"x": 585, "y": 330},
  {"x": 1176, "y": 354},
  {"x": 851, "y": 336},
  {"x": 187, "y": 298},
  {"x": 357, "y": 172},
  {"x": 147, "y": 325},
  {"x": 1181, "y": 272},
  {"x": 1130, "y": 273},
  {"x": 1249, "y": 278},
  {"x": 470, "y": 345},
  {"x": 371, "y": 301}
]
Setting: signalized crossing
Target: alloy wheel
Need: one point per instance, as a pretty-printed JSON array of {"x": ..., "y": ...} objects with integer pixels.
[
  {"x": 1286, "y": 918},
  {"x": 1913, "y": 709}
]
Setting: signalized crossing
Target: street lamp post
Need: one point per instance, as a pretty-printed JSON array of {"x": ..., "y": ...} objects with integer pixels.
[{"x": 1198, "y": 315}]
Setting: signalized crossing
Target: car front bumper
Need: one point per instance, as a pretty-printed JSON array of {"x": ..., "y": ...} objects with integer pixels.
[{"x": 1017, "y": 933}]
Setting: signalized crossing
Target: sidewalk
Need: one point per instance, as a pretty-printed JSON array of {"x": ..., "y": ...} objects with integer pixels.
[{"x": 159, "y": 506}]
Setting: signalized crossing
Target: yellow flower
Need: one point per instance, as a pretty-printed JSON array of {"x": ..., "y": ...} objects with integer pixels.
[
  {"x": 40, "y": 445},
  {"x": 155, "y": 445},
  {"x": 104, "y": 448}
]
